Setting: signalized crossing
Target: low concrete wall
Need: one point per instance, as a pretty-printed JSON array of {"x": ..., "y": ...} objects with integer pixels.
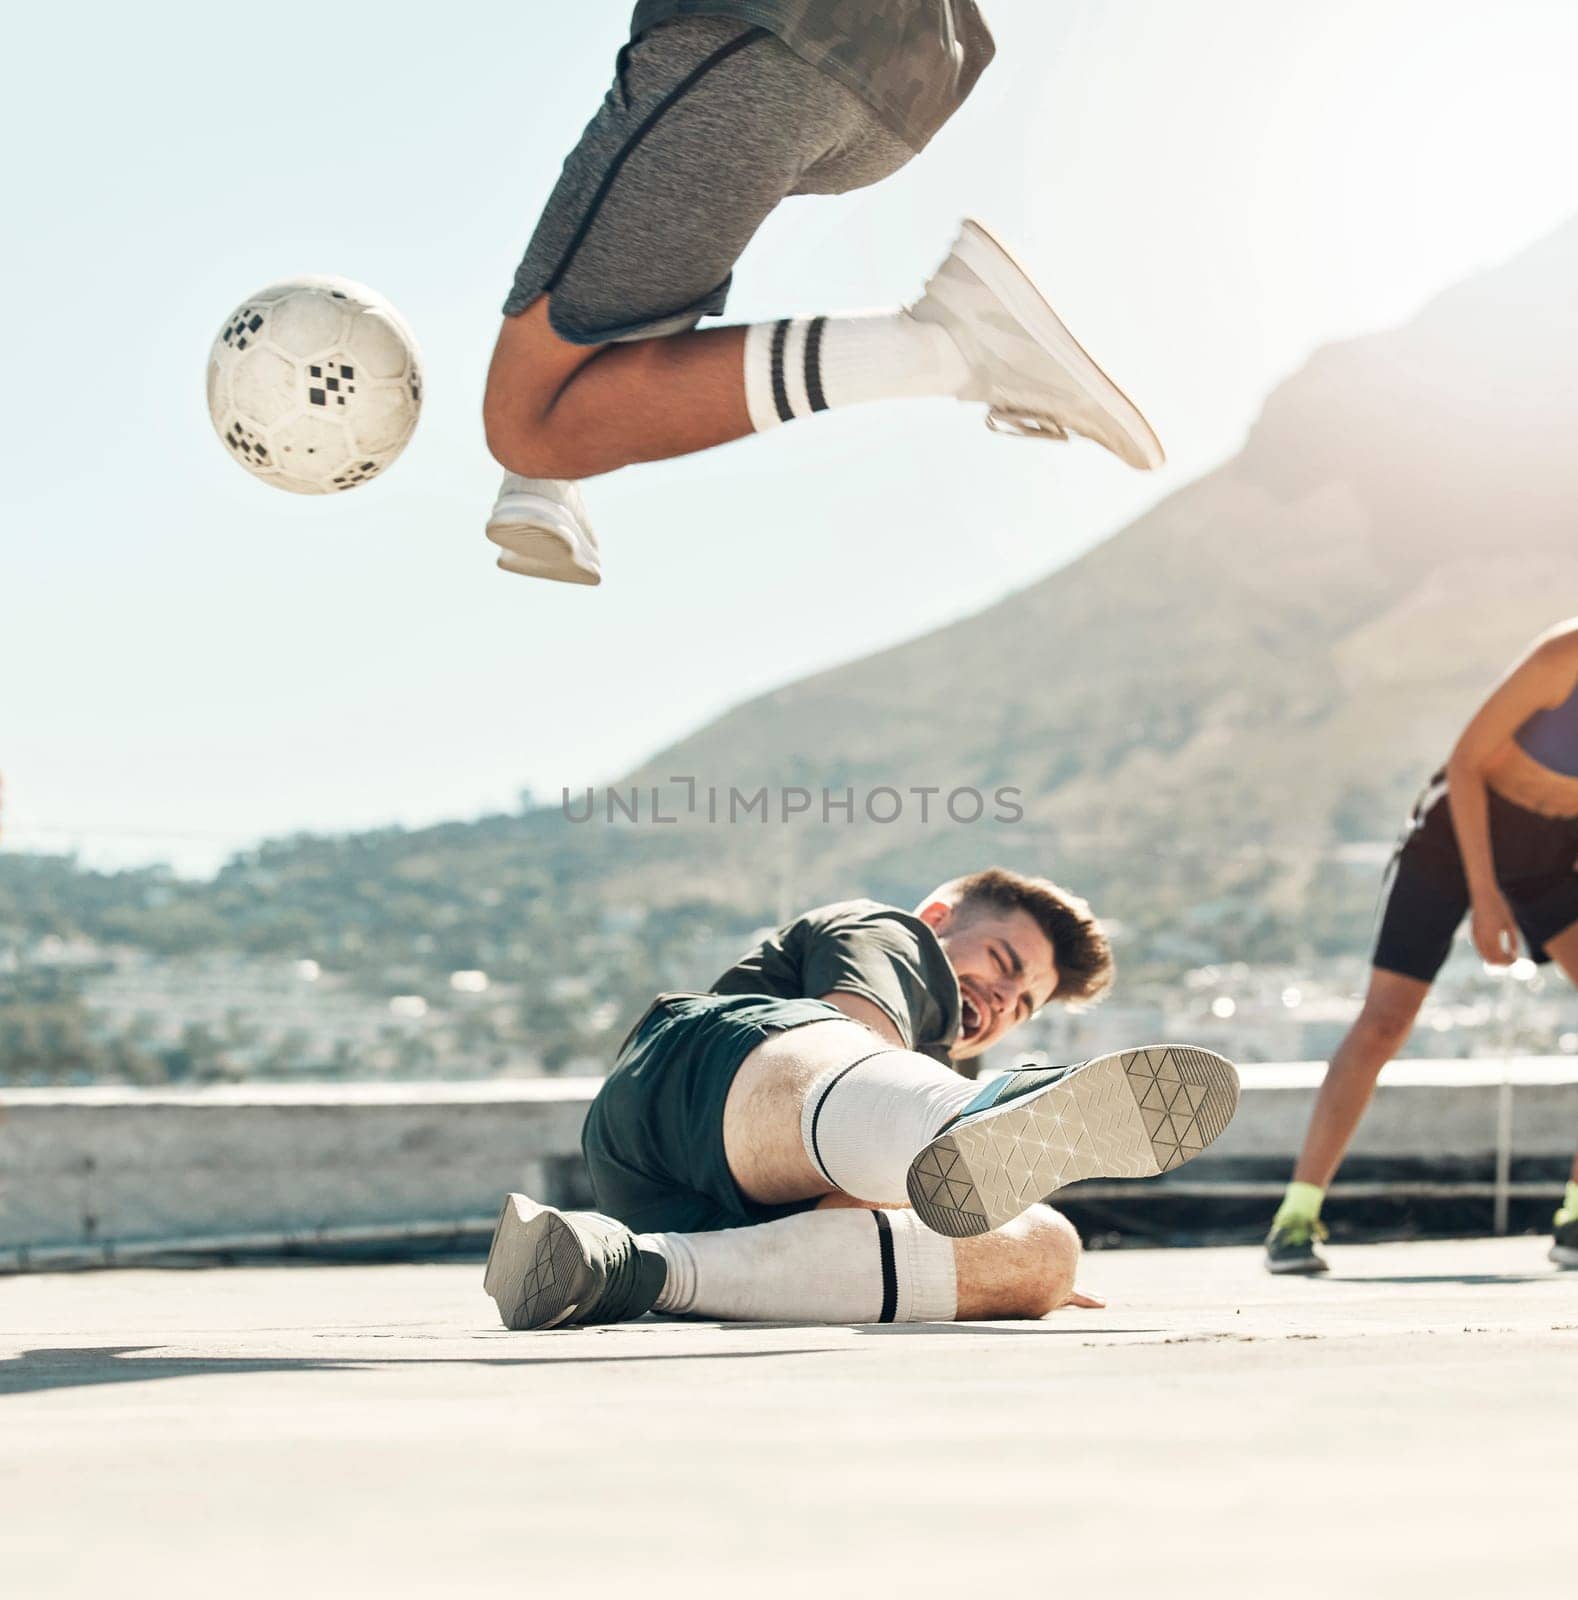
[
  {"x": 1466, "y": 1113},
  {"x": 81, "y": 1169},
  {"x": 112, "y": 1173}
]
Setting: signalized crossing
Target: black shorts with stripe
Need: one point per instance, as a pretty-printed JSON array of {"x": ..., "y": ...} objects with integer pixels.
[
  {"x": 1428, "y": 897},
  {"x": 706, "y": 127}
]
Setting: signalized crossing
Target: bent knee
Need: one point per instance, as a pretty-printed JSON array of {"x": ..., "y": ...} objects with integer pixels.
[
  {"x": 537, "y": 446},
  {"x": 531, "y": 370},
  {"x": 521, "y": 443}
]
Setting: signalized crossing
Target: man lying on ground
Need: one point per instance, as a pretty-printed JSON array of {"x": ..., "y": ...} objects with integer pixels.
[{"x": 756, "y": 1151}]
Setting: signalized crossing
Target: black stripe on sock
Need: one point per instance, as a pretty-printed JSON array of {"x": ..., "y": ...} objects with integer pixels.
[
  {"x": 813, "y": 364},
  {"x": 628, "y": 148},
  {"x": 890, "y": 1271},
  {"x": 816, "y": 1116},
  {"x": 780, "y": 387}
]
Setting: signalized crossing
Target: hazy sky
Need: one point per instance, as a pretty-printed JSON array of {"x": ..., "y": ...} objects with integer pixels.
[{"x": 1206, "y": 189}]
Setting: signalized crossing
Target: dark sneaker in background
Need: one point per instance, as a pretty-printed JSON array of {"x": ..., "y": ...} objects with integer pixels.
[
  {"x": 1564, "y": 1247},
  {"x": 548, "y": 1268},
  {"x": 1291, "y": 1248}
]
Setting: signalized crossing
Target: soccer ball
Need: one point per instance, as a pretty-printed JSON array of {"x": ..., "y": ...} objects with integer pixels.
[{"x": 314, "y": 384}]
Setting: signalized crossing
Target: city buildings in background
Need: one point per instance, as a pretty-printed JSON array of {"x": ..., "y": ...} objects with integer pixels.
[{"x": 75, "y": 1011}]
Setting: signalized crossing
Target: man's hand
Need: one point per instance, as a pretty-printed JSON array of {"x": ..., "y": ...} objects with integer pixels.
[{"x": 1495, "y": 930}]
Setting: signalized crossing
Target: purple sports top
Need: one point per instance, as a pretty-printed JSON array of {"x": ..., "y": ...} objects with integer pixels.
[{"x": 1551, "y": 737}]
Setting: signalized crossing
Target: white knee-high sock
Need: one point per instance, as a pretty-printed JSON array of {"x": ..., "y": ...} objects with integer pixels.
[
  {"x": 806, "y": 364},
  {"x": 821, "y": 1266},
  {"x": 864, "y": 1123}
]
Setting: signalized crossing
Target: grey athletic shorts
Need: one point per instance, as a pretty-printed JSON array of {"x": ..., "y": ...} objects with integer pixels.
[{"x": 706, "y": 127}]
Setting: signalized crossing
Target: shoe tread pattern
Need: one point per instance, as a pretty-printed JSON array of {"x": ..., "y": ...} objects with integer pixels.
[
  {"x": 943, "y": 1193},
  {"x": 554, "y": 1272},
  {"x": 1132, "y": 1114}
]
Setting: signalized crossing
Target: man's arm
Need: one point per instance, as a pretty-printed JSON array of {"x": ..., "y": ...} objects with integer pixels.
[
  {"x": 1543, "y": 678},
  {"x": 870, "y": 963},
  {"x": 859, "y": 1009}
]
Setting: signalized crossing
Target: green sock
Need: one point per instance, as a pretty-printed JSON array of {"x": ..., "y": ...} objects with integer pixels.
[
  {"x": 1569, "y": 1210},
  {"x": 1300, "y": 1204}
]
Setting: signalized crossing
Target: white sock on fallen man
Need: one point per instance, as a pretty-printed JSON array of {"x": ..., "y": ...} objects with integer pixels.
[
  {"x": 836, "y": 1265},
  {"x": 863, "y": 1124}
]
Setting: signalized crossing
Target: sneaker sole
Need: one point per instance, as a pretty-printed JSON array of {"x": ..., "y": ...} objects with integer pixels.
[
  {"x": 533, "y": 552},
  {"x": 1132, "y": 1114},
  {"x": 1297, "y": 1269},
  {"x": 536, "y": 1271},
  {"x": 1564, "y": 1255},
  {"x": 997, "y": 267}
]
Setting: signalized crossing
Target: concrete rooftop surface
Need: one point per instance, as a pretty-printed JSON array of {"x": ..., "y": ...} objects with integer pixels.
[{"x": 370, "y": 1430}]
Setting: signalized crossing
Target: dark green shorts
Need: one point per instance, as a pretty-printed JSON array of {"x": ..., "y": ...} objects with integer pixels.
[{"x": 653, "y": 1138}]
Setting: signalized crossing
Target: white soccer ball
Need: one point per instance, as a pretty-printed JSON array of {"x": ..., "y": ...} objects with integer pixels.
[{"x": 315, "y": 384}]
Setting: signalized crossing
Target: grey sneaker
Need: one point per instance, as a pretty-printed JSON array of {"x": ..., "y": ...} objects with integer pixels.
[
  {"x": 1291, "y": 1248},
  {"x": 1031, "y": 371},
  {"x": 542, "y": 531},
  {"x": 1564, "y": 1247},
  {"x": 547, "y": 1268},
  {"x": 1132, "y": 1114}
]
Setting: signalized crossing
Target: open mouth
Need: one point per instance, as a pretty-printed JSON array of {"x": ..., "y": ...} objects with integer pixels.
[{"x": 971, "y": 1018}]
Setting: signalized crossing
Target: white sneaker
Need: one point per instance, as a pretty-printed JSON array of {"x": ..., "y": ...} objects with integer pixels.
[
  {"x": 541, "y": 529},
  {"x": 1028, "y": 367}
]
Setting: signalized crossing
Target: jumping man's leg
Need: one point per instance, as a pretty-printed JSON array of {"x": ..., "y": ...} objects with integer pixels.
[
  {"x": 708, "y": 128},
  {"x": 560, "y": 410},
  {"x": 555, "y": 409}
]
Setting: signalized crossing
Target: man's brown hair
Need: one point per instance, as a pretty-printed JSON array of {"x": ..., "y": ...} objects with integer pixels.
[{"x": 1079, "y": 947}]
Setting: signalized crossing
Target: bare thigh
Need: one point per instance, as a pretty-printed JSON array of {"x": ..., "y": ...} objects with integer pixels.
[{"x": 761, "y": 1118}]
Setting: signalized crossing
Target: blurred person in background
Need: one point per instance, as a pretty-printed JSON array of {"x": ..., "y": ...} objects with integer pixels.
[{"x": 1494, "y": 837}]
